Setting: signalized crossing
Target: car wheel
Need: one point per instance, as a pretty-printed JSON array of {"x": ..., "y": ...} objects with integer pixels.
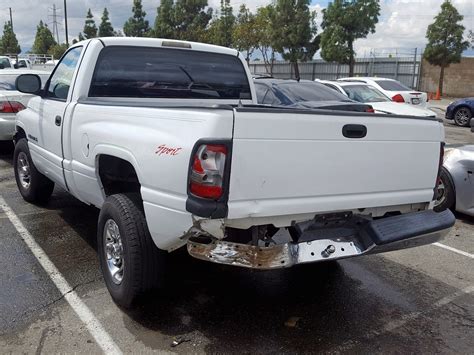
[
  {"x": 33, "y": 186},
  {"x": 462, "y": 116},
  {"x": 130, "y": 261},
  {"x": 445, "y": 192}
]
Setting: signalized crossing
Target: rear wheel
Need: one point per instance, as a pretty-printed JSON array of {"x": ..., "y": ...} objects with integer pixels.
[
  {"x": 462, "y": 116},
  {"x": 130, "y": 261},
  {"x": 33, "y": 186},
  {"x": 445, "y": 192}
]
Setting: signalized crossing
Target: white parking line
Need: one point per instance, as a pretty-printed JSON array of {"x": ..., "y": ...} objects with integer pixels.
[
  {"x": 454, "y": 250},
  {"x": 95, "y": 328}
]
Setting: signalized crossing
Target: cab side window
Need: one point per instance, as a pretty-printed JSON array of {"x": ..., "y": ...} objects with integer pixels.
[{"x": 61, "y": 79}]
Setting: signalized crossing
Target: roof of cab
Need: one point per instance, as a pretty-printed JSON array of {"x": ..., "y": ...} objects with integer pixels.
[{"x": 158, "y": 42}]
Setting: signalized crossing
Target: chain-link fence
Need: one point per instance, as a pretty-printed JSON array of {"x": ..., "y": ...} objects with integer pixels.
[{"x": 402, "y": 66}]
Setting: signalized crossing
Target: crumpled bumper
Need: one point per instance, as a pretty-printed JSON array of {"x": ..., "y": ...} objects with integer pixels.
[{"x": 375, "y": 236}]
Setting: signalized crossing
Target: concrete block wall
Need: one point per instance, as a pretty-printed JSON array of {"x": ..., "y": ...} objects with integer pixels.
[{"x": 458, "y": 78}]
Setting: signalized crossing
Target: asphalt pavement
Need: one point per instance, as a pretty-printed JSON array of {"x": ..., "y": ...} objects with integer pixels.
[{"x": 419, "y": 300}]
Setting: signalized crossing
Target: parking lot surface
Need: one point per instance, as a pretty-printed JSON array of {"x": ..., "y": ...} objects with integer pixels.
[{"x": 418, "y": 300}]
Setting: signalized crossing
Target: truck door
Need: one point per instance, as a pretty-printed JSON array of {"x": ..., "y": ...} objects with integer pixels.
[{"x": 51, "y": 112}]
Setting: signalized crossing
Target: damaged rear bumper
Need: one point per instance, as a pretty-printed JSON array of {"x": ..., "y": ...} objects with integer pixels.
[{"x": 364, "y": 237}]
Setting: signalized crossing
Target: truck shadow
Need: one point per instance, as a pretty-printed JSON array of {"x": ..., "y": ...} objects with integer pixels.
[{"x": 315, "y": 308}]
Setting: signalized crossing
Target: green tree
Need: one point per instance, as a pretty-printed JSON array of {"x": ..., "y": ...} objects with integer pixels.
[
  {"x": 137, "y": 26},
  {"x": 264, "y": 32},
  {"x": 90, "y": 29},
  {"x": 9, "y": 43},
  {"x": 244, "y": 36},
  {"x": 105, "y": 27},
  {"x": 43, "y": 39},
  {"x": 57, "y": 50},
  {"x": 294, "y": 31},
  {"x": 191, "y": 20},
  {"x": 224, "y": 25},
  {"x": 164, "y": 22},
  {"x": 445, "y": 40},
  {"x": 345, "y": 21}
]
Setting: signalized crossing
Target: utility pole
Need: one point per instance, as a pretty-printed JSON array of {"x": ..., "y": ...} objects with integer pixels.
[
  {"x": 65, "y": 23},
  {"x": 11, "y": 18},
  {"x": 55, "y": 23}
]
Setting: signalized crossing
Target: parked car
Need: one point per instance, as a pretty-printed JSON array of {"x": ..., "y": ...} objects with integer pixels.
[
  {"x": 167, "y": 138},
  {"x": 5, "y": 63},
  {"x": 456, "y": 181},
  {"x": 461, "y": 111},
  {"x": 22, "y": 63},
  {"x": 394, "y": 89},
  {"x": 303, "y": 94},
  {"x": 370, "y": 95},
  {"x": 12, "y": 101}
]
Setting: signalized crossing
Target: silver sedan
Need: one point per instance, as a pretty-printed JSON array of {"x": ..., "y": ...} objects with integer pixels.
[{"x": 456, "y": 183}]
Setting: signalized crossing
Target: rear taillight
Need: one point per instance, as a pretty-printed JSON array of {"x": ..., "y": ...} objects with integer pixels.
[
  {"x": 398, "y": 98},
  {"x": 11, "y": 106},
  {"x": 207, "y": 178}
]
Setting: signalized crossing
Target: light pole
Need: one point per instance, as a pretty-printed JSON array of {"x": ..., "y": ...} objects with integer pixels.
[{"x": 65, "y": 23}]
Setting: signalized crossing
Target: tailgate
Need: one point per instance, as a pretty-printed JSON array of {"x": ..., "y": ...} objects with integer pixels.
[{"x": 287, "y": 162}]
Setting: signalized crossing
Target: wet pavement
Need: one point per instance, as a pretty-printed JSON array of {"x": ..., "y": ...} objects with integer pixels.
[{"x": 412, "y": 301}]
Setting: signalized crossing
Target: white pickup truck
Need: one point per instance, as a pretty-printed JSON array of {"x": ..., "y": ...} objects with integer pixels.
[{"x": 166, "y": 138}]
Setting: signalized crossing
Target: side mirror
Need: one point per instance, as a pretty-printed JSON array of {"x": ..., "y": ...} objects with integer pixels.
[
  {"x": 2, "y": 66},
  {"x": 29, "y": 84},
  {"x": 15, "y": 66}
]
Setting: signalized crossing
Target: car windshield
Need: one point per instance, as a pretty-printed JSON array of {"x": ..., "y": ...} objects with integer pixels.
[
  {"x": 308, "y": 91},
  {"x": 392, "y": 85},
  {"x": 7, "y": 82},
  {"x": 5, "y": 63},
  {"x": 364, "y": 93},
  {"x": 168, "y": 73}
]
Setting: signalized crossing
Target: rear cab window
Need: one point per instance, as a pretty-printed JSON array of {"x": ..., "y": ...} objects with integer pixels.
[{"x": 148, "y": 72}]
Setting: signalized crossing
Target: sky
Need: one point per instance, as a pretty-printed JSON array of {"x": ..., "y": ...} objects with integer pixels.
[{"x": 402, "y": 23}]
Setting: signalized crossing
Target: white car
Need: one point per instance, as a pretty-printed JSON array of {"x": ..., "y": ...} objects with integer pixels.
[
  {"x": 13, "y": 101},
  {"x": 22, "y": 63},
  {"x": 167, "y": 138},
  {"x": 6, "y": 62},
  {"x": 393, "y": 89},
  {"x": 381, "y": 103}
]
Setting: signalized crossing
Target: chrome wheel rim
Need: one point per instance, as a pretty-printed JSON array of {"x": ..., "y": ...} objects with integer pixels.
[
  {"x": 462, "y": 116},
  {"x": 24, "y": 172},
  {"x": 113, "y": 250},
  {"x": 441, "y": 193}
]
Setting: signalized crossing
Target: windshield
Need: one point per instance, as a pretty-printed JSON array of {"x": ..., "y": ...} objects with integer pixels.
[
  {"x": 5, "y": 63},
  {"x": 364, "y": 93},
  {"x": 309, "y": 91},
  {"x": 7, "y": 82},
  {"x": 391, "y": 85},
  {"x": 168, "y": 73}
]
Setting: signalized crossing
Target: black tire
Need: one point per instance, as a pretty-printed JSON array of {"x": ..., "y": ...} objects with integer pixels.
[
  {"x": 143, "y": 263},
  {"x": 40, "y": 188},
  {"x": 462, "y": 116},
  {"x": 446, "y": 194}
]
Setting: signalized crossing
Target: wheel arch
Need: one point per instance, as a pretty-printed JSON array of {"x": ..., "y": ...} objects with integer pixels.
[{"x": 117, "y": 171}]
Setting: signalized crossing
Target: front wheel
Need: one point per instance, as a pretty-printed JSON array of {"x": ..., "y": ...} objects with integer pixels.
[
  {"x": 462, "y": 116},
  {"x": 130, "y": 261},
  {"x": 445, "y": 192},
  {"x": 33, "y": 186}
]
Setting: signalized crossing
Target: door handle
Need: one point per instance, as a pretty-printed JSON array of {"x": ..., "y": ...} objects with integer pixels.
[
  {"x": 354, "y": 131},
  {"x": 57, "y": 120}
]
